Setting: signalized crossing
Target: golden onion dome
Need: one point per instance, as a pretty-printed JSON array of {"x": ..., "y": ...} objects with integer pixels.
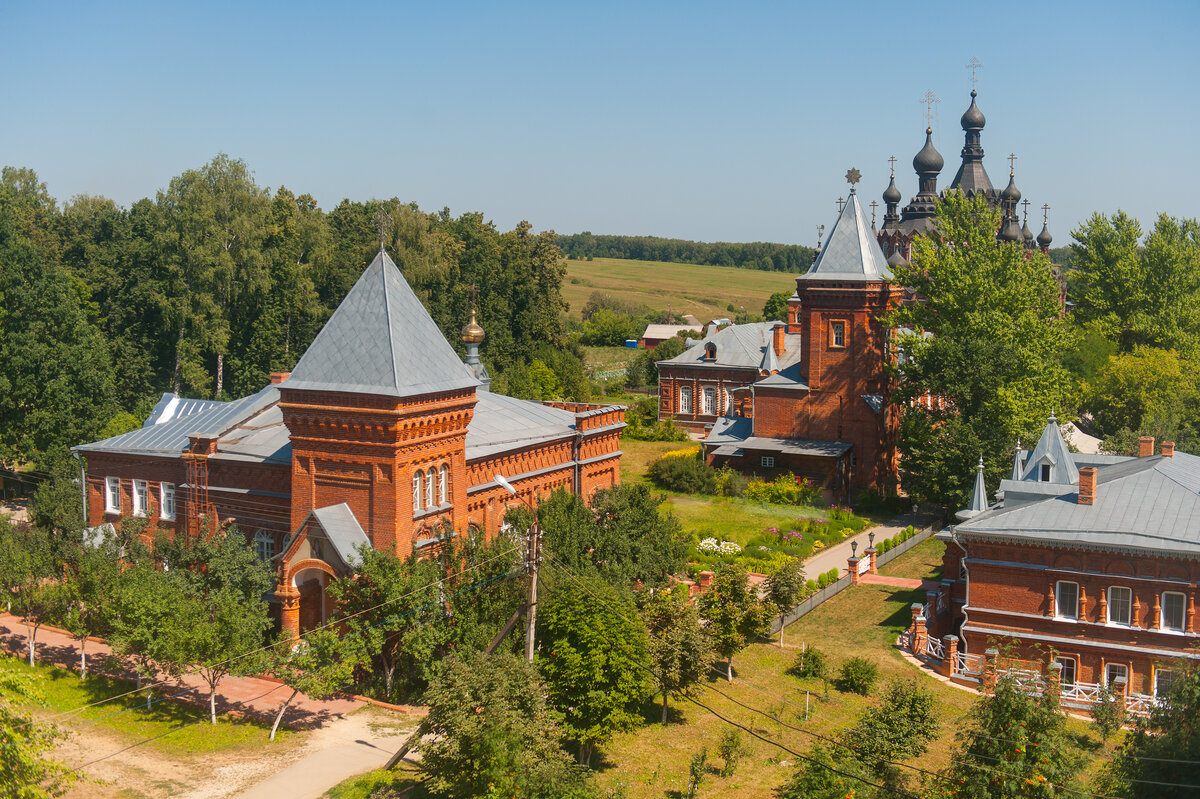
[{"x": 472, "y": 333}]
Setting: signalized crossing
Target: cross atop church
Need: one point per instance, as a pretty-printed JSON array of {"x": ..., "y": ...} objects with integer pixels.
[
  {"x": 973, "y": 65},
  {"x": 1045, "y": 213},
  {"x": 874, "y": 205},
  {"x": 382, "y": 223},
  {"x": 929, "y": 99},
  {"x": 892, "y": 161},
  {"x": 841, "y": 202},
  {"x": 1012, "y": 160},
  {"x": 1025, "y": 206}
]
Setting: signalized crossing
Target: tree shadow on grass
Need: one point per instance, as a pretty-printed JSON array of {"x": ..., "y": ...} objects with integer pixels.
[{"x": 901, "y": 618}]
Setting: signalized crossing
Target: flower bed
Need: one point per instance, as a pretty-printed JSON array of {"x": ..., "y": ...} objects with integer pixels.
[{"x": 771, "y": 548}]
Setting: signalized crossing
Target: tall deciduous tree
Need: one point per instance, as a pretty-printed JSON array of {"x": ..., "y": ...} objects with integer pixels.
[
  {"x": 593, "y": 657},
  {"x": 735, "y": 614},
  {"x": 987, "y": 335},
  {"x": 681, "y": 652},
  {"x": 24, "y": 771},
  {"x": 26, "y": 568},
  {"x": 785, "y": 589},
  {"x": 318, "y": 666}
]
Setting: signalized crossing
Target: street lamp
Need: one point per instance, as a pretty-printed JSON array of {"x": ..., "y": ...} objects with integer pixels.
[
  {"x": 853, "y": 549},
  {"x": 535, "y": 537},
  {"x": 871, "y": 538}
]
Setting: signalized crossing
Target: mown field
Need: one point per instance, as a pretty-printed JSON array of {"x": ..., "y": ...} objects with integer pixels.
[{"x": 705, "y": 291}]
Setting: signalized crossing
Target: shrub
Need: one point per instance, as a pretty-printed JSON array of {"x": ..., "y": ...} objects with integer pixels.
[
  {"x": 823, "y": 580},
  {"x": 858, "y": 675},
  {"x": 731, "y": 748},
  {"x": 809, "y": 663},
  {"x": 784, "y": 490},
  {"x": 1108, "y": 712},
  {"x": 712, "y": 546},
  {"x": 812, "y": 586},
  {"x": 688, "y": 475},
  {"x": 731, "y": 483}
]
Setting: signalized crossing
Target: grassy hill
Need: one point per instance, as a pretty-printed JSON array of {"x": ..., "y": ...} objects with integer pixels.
[{"x": 706, "y": 291}]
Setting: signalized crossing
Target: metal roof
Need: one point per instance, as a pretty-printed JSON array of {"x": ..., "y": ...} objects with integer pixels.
[
  {"x": 741, "y": 346},
  {"x": 668, "y": 331},
  {"x": 381, "y": 340},
  {"x": 171, "y": 406},
  {"x": 1150, "y": 503},
  {"x": 342, "y": 530},
  {"x": 852, "y": 251},
  {"x": 1051, "y": 450},
  {"x": 502, "y": 423},
  {"x": 739, "y": 433}
]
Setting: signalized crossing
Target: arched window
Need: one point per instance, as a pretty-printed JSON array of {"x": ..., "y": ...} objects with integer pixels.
[
  {"x": 416, "y": 491},
  {"x": 264, "y": 546},
  {"x": 430, "y": 482},
  {"x": 708, "y": 401},
  {"x": 444, "y": 484}
]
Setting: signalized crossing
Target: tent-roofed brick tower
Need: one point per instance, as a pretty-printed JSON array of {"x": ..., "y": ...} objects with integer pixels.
[{"x": 379, "y": 437}]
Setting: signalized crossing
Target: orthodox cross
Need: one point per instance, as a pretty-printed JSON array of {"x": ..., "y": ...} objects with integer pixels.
[
  {"x": 1025, "y": 205},
  {"x": 892, "y": 161},
  {"x": 840, "y": 203},
  {"x": 873, "y": 206},
  {"x": 1045, "y": 212},
  {"x": 853, "y": 176},
  {"x": 1012, "y": 160},
  {"x": 382, "y": 222},
  {"x": 973, "y": 65},
  {"x": 929, "y": 99}
]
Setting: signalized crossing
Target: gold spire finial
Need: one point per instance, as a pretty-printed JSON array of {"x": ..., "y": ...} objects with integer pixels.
[
  {"x": 1045, "y": 213},
  {"x": 852, "y": 177},
  {"x": 929, "y": 99},
  {"x": 973, "y": 65},
  {"x": 1025, "y": 208},
  {"x": 874, "y": 205},
  {"x": 892, "y": 161},
  {"x": 1012, "y": 160}
]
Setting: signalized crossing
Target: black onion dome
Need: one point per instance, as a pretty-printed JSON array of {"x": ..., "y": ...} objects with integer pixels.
[
  {"x": 972, "y": 118},
  {"x": 896, "y": 259},
  {"x": 1026, "y": 233},
  {"x": 929, "y": 160},
  {"x": 1044, "y": 238},
  {"x": 1011, "y": 192},
  {"x": 891, "y": 194}
]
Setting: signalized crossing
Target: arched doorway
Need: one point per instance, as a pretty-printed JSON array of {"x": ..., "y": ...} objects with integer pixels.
[{"x": 314, "y": 610}]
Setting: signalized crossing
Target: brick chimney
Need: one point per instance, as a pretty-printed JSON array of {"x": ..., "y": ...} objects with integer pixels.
[
  {"x": 1145, "y": 446},
  {"x": 779, "y": 330},
  {"x": 279, "y": 377},
  {"x": 1168, "y": 449},
  {"x": 1087, "y": 485}
]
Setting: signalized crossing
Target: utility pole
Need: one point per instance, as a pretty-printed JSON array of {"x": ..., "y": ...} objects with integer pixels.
[{"x": 535, "y": 555}]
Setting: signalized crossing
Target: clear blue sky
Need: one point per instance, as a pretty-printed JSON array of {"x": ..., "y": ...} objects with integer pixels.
[{"x": 711, "y": 121}]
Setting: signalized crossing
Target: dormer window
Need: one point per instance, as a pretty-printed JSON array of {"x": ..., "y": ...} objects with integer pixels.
[
  {"x": 1045, "y": 478},
  {"x": 710, "y": 351}
]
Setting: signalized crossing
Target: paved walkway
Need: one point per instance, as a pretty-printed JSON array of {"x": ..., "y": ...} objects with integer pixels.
[
  {"x": 899, "y": 582},
  {"x": 249, "y": 696},
  {"x": 836, "y": 555}
]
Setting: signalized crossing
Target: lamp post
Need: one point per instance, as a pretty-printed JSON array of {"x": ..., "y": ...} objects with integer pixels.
[
  {"x": 871, "y": 538},
  {"x": 534, "y": 547},
  {"x": 853, "y": 549}
]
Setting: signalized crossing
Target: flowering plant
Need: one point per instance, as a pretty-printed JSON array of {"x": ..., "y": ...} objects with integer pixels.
[{"x": 714, "y": 547}]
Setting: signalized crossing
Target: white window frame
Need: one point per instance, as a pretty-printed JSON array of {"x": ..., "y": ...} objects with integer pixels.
[
  {"x": 141, "y": 498},
  {"x": 418, "y": 494},
  {"x": 1109, "y": 677},
  {"x": 430, "y": 485},
  {"x": 768, "y": 461},
  {"x": 1127, "y": 603},
  {"x": 166, "y": 501},
  {"x": 1045, "y": 472},
  {"x": 837, "y": 326},
  {"x": 264, "y": 546},
  {"x": 685, "y": 399},
  {"x": 112, "y": 494},
  {"x": 1066, "y": 662},
  {"x": 728, "y": 402},
  {"x": 1157, "y": 672},
  {"x": 444, "y": 485},
  {"x": 708, "y": 401},
  {"x": 1058, "y": 598},
  {"x": 1162, "y": 622}
]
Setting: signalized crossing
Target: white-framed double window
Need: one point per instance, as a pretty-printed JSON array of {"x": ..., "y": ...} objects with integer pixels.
[
  {"x": 1066, "y": 600},
  {"x": 166, "y": 501},
  {"x": 417, "y": 493},
  {"x": 264, "y": 546},
  {"x": 430, "y": 487},
  {"x": 1174, "y": 611},
  {"x": 1162, "y": 680},
  {"x": 708, "y": 401},
  {"x": 444, "y": 485},
  {"x": 768, "y": 461},
  {"x": 141, "y": 498},
  {"x": 1116, "y": 676},
  {"x": 1120, "y": 605},
  {"x": 112, "y": 494},
  {"x": 1069, "y": 669},
  {"x": 685, "y": 399}
]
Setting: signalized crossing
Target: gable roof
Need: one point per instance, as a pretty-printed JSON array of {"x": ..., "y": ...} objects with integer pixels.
[
  {"x": 342, "y": 529},
  {"x": 381, "y": 340},
  {"x": 852, "y": 252},
  {"x": 740, "y": 346},
  {"x": 1053, "y": 450}
]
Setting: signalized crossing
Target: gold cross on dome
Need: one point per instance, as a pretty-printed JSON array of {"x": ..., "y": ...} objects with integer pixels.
[
  {"x": 382, "y": 222},
  {"x": 874, "y": 205},
  {"x": 929, "y": 99},
  {"x": 853, "y": 176},
  {"x": 1025, "y": 205},
  {"x": 1012, "y": 160},
  {"x": 892, "y": 161},
  {"x": 1045, "y": 213},
  {"x": 973, "y": 65}
]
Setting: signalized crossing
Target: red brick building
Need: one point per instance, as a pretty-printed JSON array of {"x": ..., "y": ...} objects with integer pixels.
[
  {"x": 380, "y": 436},
  {"x": 810, "y": 395},
  {"x": 1086, "y": 561}
]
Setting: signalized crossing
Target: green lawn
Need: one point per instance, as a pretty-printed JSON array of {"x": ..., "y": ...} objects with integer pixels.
[
  {"x": 638, "y": 455},
  {"x": 731, "y": 519},
  {"x": 607, "y": 359},
  {"x": 62, "y": 690},
  {"x": 922, "y": 562},
  {"x": 705, "y": 291}
]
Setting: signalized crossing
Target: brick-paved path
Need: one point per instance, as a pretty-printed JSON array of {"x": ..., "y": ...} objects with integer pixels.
[
  {"x": 249, "y": 696},
  {"x": 899, "y": 582}
]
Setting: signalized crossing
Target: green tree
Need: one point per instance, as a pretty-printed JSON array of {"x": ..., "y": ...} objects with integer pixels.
[
  {"x": 607, "y": 328},
  {"x": 900, "y": 728},
  {"x": 91, "y": 572},
  {"x": 1014, "y": 745},
  {"x": 776, "y": 306},
  {"x": 734, "y": 613},
  {"x": 1146, "y": 391},
  {"x": 151, "y": 622},
  {"x": 785, "y": 589},
  {"x": 1160, "y": 758},
  {"x": 594, "y": 661},
  {"x": 24, "y": 772},
  {"x": 988, "y": 338},
  {"x": 680, "y": 651},
  {"x": 27, "y": 561},
  {"x": 56, "y": 503},
  {"x": 396, "y": 607},
  {"x": 818, "y": 779},
  {"x": 318, "y": 666},
  {"x": 493, "y": 733},
  {"x": 223, "y": 628}
]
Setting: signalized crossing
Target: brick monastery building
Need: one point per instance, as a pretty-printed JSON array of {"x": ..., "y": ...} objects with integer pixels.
[
  {"x": 812, "y": 396},
  {"x": 1087, "y": 561},
  {"x": 380, "y": 436}
]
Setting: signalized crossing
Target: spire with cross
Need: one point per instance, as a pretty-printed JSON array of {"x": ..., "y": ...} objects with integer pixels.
[
  {"x": 929, "y": 99},
  {"x": 973, "y": 65},
  {"x": 382, "y": 223}
]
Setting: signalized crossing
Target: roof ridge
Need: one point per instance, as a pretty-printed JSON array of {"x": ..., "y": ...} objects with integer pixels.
[{"x": 387, "y": 309}]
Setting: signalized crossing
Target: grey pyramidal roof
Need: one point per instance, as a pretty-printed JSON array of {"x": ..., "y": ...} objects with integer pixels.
[
  {"x": 852, "y": 252},
  {"x": 381, "y": 340}
]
